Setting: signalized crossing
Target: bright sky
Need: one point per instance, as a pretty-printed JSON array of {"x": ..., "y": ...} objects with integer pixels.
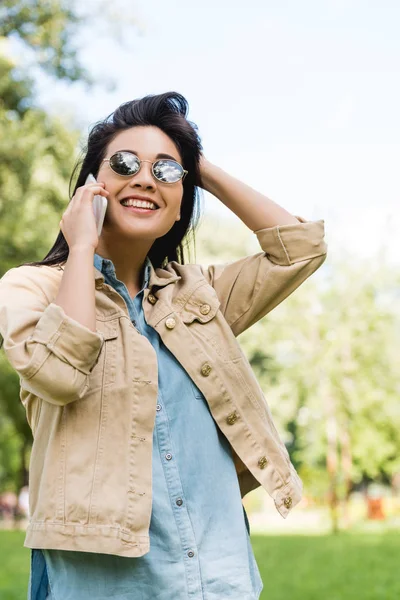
[{"x": 298, "y": 99}]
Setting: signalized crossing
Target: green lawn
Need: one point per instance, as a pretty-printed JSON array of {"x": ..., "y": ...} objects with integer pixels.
[{"x": 345, "y": 567}]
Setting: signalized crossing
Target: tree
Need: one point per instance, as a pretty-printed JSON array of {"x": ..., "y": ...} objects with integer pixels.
[
  {"x": 335, "y": 343},
  {"x": 35, "y": 162},
  {"x": 50, "y": 32},
  {"x": 48, "y": 29}
]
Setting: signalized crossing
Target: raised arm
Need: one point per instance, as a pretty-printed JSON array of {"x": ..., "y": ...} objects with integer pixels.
[{"x": 292, "y": 249}]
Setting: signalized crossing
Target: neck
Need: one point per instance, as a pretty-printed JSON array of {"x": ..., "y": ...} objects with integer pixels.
[{"x": 128, "y": 258}]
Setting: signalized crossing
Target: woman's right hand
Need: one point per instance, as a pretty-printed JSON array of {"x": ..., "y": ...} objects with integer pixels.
[{"x": 78, "y": 223}]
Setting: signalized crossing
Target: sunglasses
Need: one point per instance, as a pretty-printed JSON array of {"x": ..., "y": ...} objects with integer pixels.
[{"x": 127, "y": 164}]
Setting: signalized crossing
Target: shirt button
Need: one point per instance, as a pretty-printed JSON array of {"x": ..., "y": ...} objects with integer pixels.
[
  {"x": 288, "y": 502},
  {"x": 158, "y": 407},
  {"x": 206, "y": 369},
  {"x": 262, "y": 462},
  {"x": 190, "y": 554},
  {"x": 170, "y": 323},
  {"x": 168, "y": 456},
  {"x": 232, "y": 418},
  {"x": 151, "y": 298},
  {"x": 179, "y": 502},
  {"x": 205, "y": 309}
]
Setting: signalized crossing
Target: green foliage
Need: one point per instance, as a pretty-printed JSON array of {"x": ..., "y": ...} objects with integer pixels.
[
  {"x": 335, "y": 344},
  {"x": 10, "y": 453},
  {"x": 36, "y": 159},
  {"x": 48, "y": 28},
  {"x": 35, "y": 162}
]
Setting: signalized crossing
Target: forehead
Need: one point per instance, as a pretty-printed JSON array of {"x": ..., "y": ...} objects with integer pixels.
[{"x": 146, "y": 141}]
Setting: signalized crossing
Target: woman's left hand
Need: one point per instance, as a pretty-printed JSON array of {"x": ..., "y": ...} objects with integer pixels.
[{"x": 203, "y": 164}]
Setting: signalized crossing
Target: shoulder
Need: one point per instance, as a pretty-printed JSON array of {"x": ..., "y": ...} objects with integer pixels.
[
  {"x": 43, "y": 278},
  {"x": 189, "y": 269}
]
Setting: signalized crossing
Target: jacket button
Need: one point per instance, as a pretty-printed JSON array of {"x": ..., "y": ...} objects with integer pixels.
[
  {"x": 232, "y": 418},
  {"x": 262, "y": 462},
  {"x": 179, "y": 502},
  {"x": 288, "y": 502},
  {"x": 168, "y": 456},
  {"x": 170, "y": 323},
  {"x": 151, "y": 298},
  {"x": 205, "y": 309},
  {"x": 206, "y": 369},
  {"x": 190, "y": 554}
]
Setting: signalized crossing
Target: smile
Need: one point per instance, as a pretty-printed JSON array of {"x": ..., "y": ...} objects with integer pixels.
[
  {"x": 135, "y": 203},
  {"x": 139, "y": 210}
]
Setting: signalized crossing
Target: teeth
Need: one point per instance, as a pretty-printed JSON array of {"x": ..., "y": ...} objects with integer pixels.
[{"x": 139, "y": 203}]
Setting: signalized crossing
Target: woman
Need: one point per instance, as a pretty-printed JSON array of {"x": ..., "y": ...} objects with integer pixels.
[{"x": 149, "y": 425}]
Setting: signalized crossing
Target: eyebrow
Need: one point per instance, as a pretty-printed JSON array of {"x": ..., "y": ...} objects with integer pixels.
[{"x": 159, "y": 155}]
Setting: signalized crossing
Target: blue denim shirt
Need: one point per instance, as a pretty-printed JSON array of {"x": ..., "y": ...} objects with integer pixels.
[{"x": 199, "y": 533}]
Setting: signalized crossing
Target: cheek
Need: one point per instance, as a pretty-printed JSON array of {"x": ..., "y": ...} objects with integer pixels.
[
  {"x": 176, "y": 198},
  {"x": 172, "y": 200}
]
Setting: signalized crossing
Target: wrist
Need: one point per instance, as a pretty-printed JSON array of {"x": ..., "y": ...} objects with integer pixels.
[
  {"x": 82, "y": 250},
  {"x": 209, "y": 175}
]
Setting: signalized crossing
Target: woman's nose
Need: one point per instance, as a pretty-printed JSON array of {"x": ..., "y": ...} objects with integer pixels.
[{"x": 144, "y": 178}]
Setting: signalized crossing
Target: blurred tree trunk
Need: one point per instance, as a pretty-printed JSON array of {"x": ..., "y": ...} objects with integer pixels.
[
  {"x": 332, "y": 461},
  {"x": 24, "y": 472},
  {"x": 346, "y": 465}
]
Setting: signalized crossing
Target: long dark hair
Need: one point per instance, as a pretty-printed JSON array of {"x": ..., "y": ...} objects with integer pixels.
[{"x": 167, "y": 111}]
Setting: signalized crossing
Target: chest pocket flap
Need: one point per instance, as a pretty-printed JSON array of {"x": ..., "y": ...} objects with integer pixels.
[
  {"x": 109, "y": 329},
  {"x": 201, "y": 306}
]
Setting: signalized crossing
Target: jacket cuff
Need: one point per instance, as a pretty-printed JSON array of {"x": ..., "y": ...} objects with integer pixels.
[
  {"x": 288, "y": 244},
  {"x": 69, "y": 340}
]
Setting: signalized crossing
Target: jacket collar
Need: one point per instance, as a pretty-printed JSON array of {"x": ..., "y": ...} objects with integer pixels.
[{"x": 152, "y": 277}]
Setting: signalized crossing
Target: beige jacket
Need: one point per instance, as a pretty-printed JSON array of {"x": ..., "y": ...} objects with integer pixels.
[{"x": 91, "y": 398}]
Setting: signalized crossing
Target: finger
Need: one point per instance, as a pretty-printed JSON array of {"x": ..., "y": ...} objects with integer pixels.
[
  {"x": 88, "y": 186},
  {"x": 95, "y": 192},
  {"x": 88, "y": 193},
  {"x": 95, "y": 187}
]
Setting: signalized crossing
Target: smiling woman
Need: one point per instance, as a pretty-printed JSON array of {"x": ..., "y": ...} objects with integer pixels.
[{"x": 149, "y": 425}]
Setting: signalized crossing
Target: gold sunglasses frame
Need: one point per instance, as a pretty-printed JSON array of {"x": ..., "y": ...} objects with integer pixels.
[{"x": 152, "y": 165}]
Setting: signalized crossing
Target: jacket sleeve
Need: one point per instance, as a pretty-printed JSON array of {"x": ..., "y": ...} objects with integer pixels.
[
  {"x": 251, "y": 287},
  {"x": 52, "y": 353}
]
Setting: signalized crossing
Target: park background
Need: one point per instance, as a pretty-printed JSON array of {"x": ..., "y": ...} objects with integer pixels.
[{"x": 299, "y": 100}]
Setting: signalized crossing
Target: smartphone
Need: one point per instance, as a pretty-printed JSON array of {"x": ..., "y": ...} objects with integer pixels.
[{"x": 99, "y": 206}]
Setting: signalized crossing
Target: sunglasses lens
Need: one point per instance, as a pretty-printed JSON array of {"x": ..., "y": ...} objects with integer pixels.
[
  {"x": 124, "y": 163},
  {"x": 168, "y": 171}
]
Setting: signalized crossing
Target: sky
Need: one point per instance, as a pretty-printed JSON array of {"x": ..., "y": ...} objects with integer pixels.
[{"x": 298, "y": 99}]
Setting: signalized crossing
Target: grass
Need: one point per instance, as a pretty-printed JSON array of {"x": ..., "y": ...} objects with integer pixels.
[
  {"x": 342, "y": 567},
  {"x": 14, "y": 569}
]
